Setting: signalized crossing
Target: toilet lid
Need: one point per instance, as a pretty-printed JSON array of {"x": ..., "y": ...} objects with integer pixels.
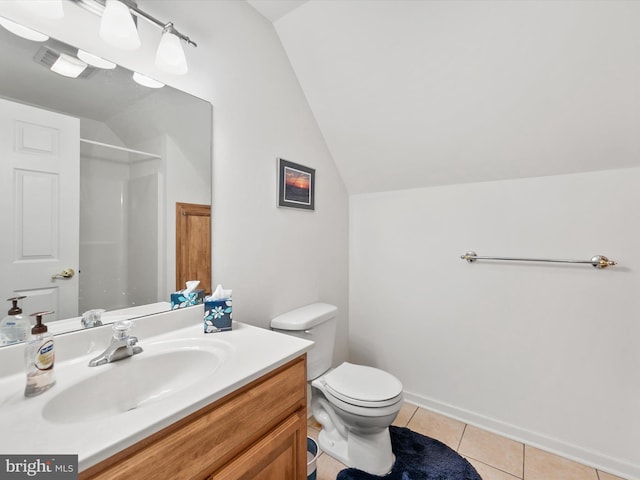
[{"x": 357, "y": 383}]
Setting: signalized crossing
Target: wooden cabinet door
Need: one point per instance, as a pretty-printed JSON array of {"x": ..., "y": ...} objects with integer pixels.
[{"x": 280, "y": 455}]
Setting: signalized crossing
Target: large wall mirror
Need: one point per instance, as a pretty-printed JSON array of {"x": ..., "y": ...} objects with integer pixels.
[{"x": 128, "y": 155}]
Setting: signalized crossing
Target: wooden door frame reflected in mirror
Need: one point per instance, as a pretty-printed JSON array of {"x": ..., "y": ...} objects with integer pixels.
[{"x": 193, "y": 245}]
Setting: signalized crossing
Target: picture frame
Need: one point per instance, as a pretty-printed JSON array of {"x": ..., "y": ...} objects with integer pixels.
[{"x": 296, "y": 185}]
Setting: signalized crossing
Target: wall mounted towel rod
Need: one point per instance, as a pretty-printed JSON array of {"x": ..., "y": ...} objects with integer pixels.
[{"x": 598, "y": 261}]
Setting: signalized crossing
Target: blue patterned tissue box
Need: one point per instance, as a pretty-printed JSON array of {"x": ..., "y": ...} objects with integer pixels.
[
  {"x": 218, "y": 315},
  {"x": 180, "y": 300}
]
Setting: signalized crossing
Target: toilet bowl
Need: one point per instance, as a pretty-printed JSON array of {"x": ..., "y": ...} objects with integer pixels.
[{"x": 355, "y": 404}]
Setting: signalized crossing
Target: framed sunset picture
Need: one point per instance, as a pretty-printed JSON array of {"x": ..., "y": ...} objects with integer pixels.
[{"x": 296, "y": 185}]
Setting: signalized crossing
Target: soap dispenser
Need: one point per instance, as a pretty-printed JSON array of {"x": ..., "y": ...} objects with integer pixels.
[
  {"x": 14, "y": 327},
  {"x": 39, "y": 356}
]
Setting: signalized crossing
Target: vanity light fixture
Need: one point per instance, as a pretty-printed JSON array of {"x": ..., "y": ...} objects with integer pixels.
[
  {"x": 68, "y": 66},
  {"x": 170, "y": 55},
  {"x": 95, "y": 60},
  {"x": 146, "y": 81},
  {"x": 118, "y": 28},
  {"x": 23, "y": 31}
]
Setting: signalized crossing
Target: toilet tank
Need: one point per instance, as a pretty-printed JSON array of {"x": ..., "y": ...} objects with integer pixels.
[{"x": 315, "y": 322}]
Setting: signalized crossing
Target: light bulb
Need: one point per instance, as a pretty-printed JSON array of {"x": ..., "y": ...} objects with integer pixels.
[
  {"x": 117, "y": 27},
  {"x": 170, "y": 55},
  {"x": 23, "y": 31}
]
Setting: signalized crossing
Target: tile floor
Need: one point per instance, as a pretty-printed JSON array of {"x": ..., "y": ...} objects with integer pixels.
[{"x": 493, "y": 456}]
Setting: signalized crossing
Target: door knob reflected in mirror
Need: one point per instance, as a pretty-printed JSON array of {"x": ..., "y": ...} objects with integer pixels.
[{"x": 66, "y": 273}]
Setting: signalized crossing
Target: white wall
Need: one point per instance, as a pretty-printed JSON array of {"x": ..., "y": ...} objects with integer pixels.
[
  {"x": 543, "y": 353},
  {"x": 103, "y": 235},
  {"x": 143, "y": 262},
  {"x": 103, "y": 224},
  {"x": 274, "y": 259}
]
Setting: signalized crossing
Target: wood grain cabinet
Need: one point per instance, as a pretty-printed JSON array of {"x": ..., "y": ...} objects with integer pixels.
[{"x": 258, "y": 432}]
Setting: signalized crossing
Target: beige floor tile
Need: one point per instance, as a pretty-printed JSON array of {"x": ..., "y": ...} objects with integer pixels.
[
  {"x": 490, "y": 473},
  {"x": 540, "y": 465},
  {"x": 405, "y": 414},
  {"x": 312, "y": 422},
  {"x": 491, "y": 449},
  {"x": 328, "y": 467},
  {"x": 447, "y": 430},
  {"x": 607, "y": 476},
  {"x": 313, "y": 432}
]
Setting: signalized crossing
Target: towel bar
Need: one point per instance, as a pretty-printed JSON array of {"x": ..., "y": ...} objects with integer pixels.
[{"x": 598, "y": 261}]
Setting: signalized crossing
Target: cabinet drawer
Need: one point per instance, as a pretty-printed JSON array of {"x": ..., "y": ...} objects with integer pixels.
[
  {"x": 204, "y": 441},
  {"x": 280, "y": 455}
]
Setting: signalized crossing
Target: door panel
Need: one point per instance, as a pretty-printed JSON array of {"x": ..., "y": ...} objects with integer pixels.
[
  {"x": 39, "y": 191},
  {"x": 193, "y": 245},
  {"x": 37, "y": 215}
]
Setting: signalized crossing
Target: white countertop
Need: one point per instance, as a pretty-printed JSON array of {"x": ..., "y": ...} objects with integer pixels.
[{"x": 249, "y": 353}]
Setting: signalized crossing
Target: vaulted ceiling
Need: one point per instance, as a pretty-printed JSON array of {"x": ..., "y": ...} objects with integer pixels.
[{"x": 432, "y": 92}]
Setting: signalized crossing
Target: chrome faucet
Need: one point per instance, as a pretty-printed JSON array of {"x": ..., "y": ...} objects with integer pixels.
[{"x": 122, "y": 345}]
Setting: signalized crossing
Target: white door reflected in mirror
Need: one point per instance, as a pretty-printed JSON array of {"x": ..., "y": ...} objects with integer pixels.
[{"x": 40, "y": 187}]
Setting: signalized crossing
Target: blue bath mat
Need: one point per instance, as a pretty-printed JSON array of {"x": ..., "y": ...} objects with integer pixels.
[{"x": 418, "y": 458}]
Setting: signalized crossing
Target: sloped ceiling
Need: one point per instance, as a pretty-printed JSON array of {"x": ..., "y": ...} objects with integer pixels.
[
  {"x": 275, "y": 9},
  {"x": 422, "y": 93}
]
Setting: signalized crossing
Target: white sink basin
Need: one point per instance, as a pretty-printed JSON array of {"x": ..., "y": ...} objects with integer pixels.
[{"x": 161, "y": 370}]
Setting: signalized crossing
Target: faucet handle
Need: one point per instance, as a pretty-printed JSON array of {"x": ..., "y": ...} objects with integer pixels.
[
  {"x": 121, "y": 329},
  {"x": 92, "y": 318}
]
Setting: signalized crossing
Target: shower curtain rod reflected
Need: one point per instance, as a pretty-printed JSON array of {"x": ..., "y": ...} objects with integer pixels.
[{"x": 598, "y": 261}]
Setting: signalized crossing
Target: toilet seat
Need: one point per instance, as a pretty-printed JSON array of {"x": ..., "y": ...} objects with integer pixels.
[{"x": 362, "y": 386}]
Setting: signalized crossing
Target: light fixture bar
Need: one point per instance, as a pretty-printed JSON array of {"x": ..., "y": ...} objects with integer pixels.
[
  {"x": 139, "y": 13},
  {"x": 97, "y": 7}
]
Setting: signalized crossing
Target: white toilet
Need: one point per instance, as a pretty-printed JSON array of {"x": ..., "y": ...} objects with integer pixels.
[{"x": 354, "y": 404}]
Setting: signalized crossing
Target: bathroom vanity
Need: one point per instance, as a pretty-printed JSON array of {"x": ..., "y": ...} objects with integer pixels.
[
  {"x": 257, "y": 432},
  {"x": 227, "y": 405}
]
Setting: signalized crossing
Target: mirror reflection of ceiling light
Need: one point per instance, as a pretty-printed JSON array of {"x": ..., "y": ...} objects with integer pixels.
[
  {"x": 23, "y": 31},
  {"x": 170, "y": 55},
  {"x": 96, "y": 61},
  {"x": 117, "y": 27},
  {"x": 68, "y": 66},
  {"x": 146, "y": 81}
]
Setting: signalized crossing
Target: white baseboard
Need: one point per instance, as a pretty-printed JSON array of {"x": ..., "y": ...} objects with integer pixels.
[{"x": 588, "y": 457}]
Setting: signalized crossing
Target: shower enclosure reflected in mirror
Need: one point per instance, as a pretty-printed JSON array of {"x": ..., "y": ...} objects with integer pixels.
[{"x": 135, "y": 153}]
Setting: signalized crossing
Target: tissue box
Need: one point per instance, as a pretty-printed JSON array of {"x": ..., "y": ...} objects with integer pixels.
[
  {"x": 217, "y": 315},
  {"x": 180, "y": 300}
]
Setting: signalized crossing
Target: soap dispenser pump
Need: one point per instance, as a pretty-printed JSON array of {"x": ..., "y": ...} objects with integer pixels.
[
  {"x": 14, "y": 327},
  {"x": 40, "y": 357}
]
